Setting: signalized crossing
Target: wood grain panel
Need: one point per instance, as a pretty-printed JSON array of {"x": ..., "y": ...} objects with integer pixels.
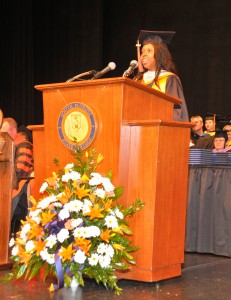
[{"x": 6, "y": 180}]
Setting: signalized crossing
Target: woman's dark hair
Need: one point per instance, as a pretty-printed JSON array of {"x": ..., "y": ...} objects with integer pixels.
[{"x": 163, "y": 58}]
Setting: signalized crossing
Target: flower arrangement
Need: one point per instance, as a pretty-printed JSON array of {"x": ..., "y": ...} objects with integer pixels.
[{"x": 77, "y": 229}]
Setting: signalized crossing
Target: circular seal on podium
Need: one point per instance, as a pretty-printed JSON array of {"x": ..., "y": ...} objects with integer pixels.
[{"x": 77, "y": 126}]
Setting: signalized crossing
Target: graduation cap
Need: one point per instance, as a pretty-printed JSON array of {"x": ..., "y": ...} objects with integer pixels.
[
  {"x": 219, "y": 120},
  {"x": 156, "y": 37},
  {"x": 211, "y": 116}
]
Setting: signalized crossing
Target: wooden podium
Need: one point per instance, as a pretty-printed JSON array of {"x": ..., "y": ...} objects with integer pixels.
[
  {"x": 145, "y": 149},
  {"x": 6, "y": 180}
]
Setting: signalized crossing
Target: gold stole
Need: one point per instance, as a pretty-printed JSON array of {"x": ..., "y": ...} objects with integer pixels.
[{"x": 161, "y": 81}]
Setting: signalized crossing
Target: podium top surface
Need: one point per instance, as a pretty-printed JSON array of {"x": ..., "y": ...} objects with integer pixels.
[{"x": 106, "y": 81}]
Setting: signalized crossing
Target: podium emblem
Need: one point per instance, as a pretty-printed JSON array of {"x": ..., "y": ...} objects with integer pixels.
[{"x": 77, "y": 126}]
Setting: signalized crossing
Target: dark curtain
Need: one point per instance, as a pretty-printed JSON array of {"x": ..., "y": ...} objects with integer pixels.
[{"x": 53, "y": 40}]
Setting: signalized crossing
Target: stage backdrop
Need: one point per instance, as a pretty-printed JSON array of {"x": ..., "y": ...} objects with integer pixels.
[{"x": 51, "y": 41}]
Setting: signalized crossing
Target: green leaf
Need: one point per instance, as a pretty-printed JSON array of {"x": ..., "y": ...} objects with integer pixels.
[
  {"x": 132, "y": 248},
  {"x": 67, "y": 280},
  {"x": 56, "y": 161},
  {"x": 109, "y": 174},
  {"x": 121, "y": 266},
  {"x": 126, "y": 229},
  {"x": 129, "y": 257},
  {"x": 79, "y": 278},
  {"x": 118, "y": 192},
  {"x": 35, "y": 270},
  {"x": 47, "y": 271},
  {"x": 21, "y": 271},
  {"x": 138, "y": 205},
  {"x": 8, "y": 277}
]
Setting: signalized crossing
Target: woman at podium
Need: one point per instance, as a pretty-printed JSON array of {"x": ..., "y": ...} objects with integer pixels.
[{"x": 157, "y": 69}]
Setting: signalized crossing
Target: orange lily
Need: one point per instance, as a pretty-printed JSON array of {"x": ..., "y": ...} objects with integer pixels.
[
  {"x": 47, "y": 217},
  {"x": 76, "y": 183},
  {"x": 83, "y": 244},
  {"x": 20, "y": 241},
  {"x": 95, "y": 212},
  {"x": 27, "y": 221},
  {"x": 92, "y": 198},
  {"x": 24, "y": 256},
  {"x": 35, "y": 231},
  {"x": 52, "y": 180},
  {"x": 105, "y": 235},
  {"x": 107, "y": 204},
  {"x": 34, "y": 203},
  {"x": 65, "y": 197},
  {"x": 66, "y": 253},
  {"x": 81, "y": 192},
  {"x": 39, "y": 245}
]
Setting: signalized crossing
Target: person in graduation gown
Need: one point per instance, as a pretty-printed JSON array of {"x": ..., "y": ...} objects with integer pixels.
[
  {"x": 199, "y": 139},
  {"x": 23, "y": 171},
  {"x": 157, "y": 69},
  {"x": 210, "y": 124}
]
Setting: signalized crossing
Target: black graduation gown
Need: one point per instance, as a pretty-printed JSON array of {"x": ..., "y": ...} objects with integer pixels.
[{"x": 174, "y": 88}]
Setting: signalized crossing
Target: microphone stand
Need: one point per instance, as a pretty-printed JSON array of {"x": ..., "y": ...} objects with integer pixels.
[
  {"x": 81, "y": 75},
  {"x": 125, "y": 74}
]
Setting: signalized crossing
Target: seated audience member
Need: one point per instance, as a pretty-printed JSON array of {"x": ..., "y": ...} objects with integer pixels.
[
  {"x": 28, "y": 133},
  {"x": 210, "y": 124},
  {"x": 199, "y": 139},
  {"x": 220, "y": 139},
  {"x": 24, "y": 167},
  {"x": 227, "y": 128}
]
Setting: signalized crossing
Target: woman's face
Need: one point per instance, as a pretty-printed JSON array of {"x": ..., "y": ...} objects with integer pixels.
[
  {"x": 219, "y": 143},
  {"x": 147, "y": 57}
]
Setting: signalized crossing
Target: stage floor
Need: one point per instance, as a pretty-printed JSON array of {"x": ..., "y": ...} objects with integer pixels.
[{"x": 203, "y": 277}]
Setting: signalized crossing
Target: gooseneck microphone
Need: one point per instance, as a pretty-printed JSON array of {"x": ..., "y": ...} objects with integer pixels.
[
  {"x": 92, "y": 72},
  {"x": 111, "y": 66},
  {"x": 129, "y": 71}
]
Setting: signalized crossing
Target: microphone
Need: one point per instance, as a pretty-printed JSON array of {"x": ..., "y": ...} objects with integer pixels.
[
  {"x": 111, "y": 66},
  {"x": 92, "y": 72},
  {"x": 133, "y": 65}
]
